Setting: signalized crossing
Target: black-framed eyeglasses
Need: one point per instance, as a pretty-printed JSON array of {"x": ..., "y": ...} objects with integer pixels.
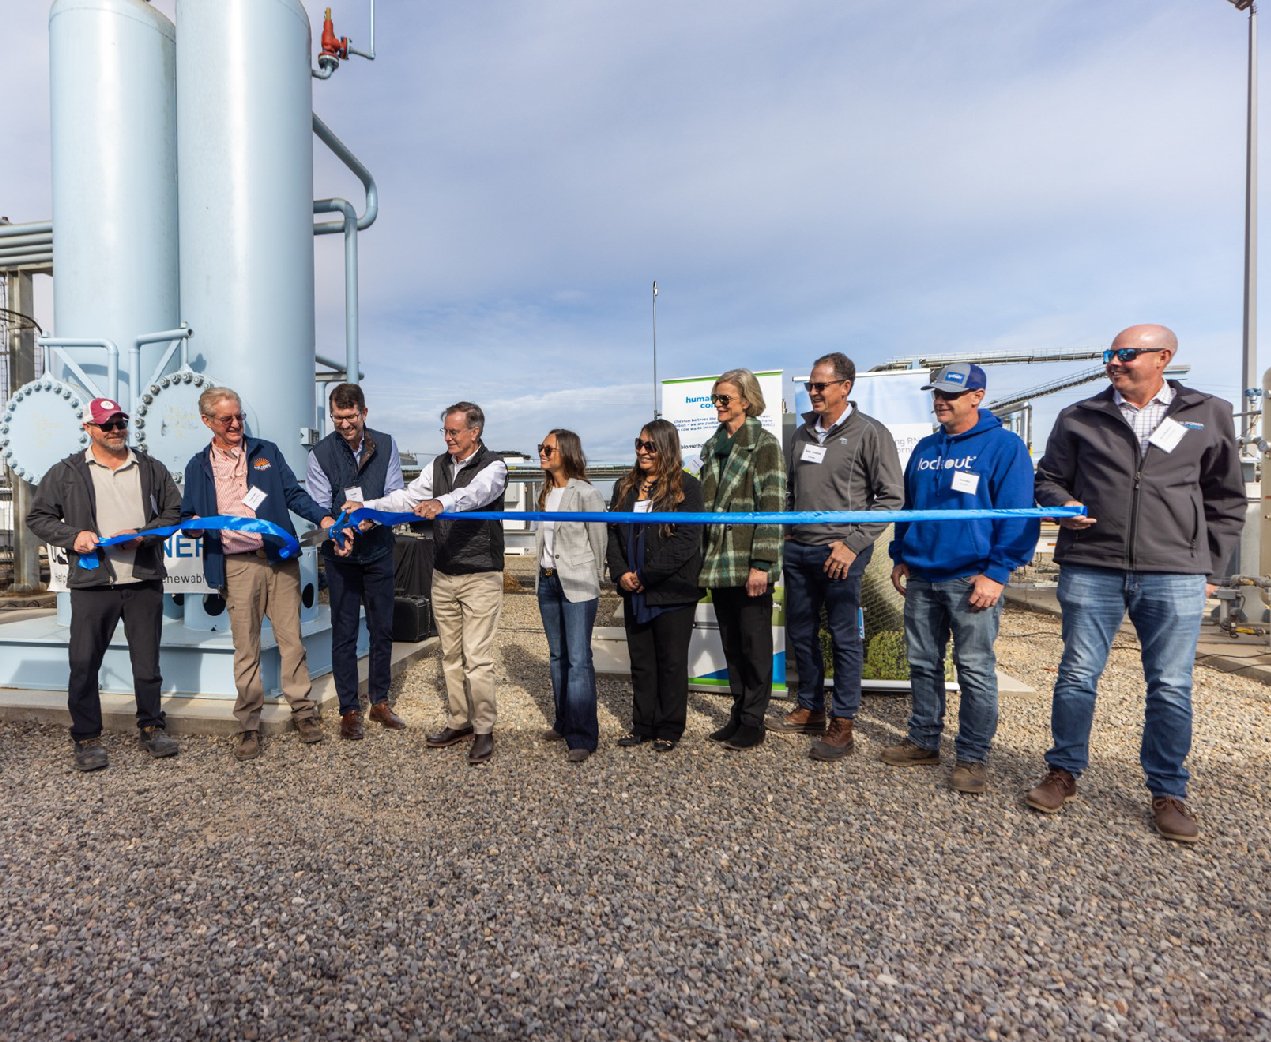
[
  {"x": 546, "y": 451},
  {"x": 345, "y": 421},
  {"x": 1128, "y": 354},
  {"x": 111, "y": 425},
  {"x": 648, "y": 447},
  {"x": 820, "y": 386},
  {"x": 722, "y": 400}
]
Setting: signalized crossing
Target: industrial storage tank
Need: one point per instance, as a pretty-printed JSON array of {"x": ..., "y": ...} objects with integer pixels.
[
  {"x": 112, "y": 67},
  {"x": 245, "y": 171}
]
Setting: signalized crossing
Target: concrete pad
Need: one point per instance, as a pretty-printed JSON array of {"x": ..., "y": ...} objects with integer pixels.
[{"x": 193, "y": 714}]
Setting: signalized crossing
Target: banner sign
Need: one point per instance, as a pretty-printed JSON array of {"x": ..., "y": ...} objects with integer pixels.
[{"x": 182, "y": 557}]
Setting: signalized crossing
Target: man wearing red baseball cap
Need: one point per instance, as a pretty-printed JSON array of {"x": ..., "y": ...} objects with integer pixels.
[{"x": 110, "y": 489}]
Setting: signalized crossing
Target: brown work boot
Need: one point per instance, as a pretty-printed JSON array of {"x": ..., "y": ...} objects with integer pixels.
[
  {"x": 801, "y": 720},
  {"x": 310, "y": 730},
  {"x": 909, "y": 754},
  {"x": 382, "y": 713},
  {"x": 248, "y": 745},
  {"x": 1173, "y": 820},
  {"x": 1052, "y": 792},
  {"x": 837, "y": 742},
  {"x": 971, "y": 778}
]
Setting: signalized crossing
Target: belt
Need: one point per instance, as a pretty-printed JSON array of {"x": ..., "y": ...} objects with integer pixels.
[{"x": 250, "y": 553}]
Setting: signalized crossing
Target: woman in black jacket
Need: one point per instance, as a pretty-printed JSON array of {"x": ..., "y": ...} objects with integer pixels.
[{"x": 655, "y": 567}]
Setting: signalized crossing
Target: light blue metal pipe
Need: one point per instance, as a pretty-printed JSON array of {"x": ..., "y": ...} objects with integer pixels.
[
  {"x": 342, "y": 153},
  {"x": 112, "y": 356},
  {"x": 8, "y": 231},
  {"x": 166, "y": 336},
  {"x": 350, "y": 280},
  {"x": 14, "y": 242}
]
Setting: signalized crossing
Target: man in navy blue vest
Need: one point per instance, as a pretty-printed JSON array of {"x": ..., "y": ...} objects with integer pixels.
[{"x": 354, "y": 464}]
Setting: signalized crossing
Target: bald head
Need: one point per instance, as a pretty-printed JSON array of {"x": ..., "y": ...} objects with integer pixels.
[{"x": 1148, "y": 337}]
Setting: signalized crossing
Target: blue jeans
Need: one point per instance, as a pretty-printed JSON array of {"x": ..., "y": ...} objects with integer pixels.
[
  {"x": 1166, "y": 610},
  {"x": 568, "y": 627},
  {"x": 807, "y": 589},
  {"x": 933, "y": 612}
]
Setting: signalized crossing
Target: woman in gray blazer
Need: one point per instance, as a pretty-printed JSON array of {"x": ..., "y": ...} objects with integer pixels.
[{"x": 571, "y": 559}]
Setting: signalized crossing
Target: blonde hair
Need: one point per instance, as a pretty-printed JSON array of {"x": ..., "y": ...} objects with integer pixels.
[{"x": 745, "y": 382}]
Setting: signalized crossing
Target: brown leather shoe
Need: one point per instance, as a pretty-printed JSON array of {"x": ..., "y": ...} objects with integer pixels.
[
  {"x": 1051, "y": 793},
  {"x": 247, "y": 747},
  {"x": 351, "y": 725},
  {"x": 382, "y": 713},
  {"x": 802, "y": 720},
  {"x": 447, "y": 736},
  {"x": 482, "y": 748},
  {"x": 1173, "y": 820},
  {"x": 837, "y": 742}
]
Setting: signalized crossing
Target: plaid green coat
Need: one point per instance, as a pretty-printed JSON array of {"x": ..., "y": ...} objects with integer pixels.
[{"x": 752, "y": 478}]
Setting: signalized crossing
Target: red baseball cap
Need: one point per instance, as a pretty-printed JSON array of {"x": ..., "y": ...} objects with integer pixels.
[{"x": 102, "y": 409}]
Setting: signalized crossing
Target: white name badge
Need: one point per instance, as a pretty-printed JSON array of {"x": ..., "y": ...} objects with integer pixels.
[
  {"x": 254, "y": 498},
  {"x": 1167, "y": 435},
  {"x": 354, "y": 494},
  {"x": 813, "y": 453},
  {"x": 965, "y": 481},
  {"x": 642, "y": 506}
]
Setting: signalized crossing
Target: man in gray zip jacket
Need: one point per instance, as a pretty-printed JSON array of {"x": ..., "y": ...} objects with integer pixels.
[
  {"x": 107, "y": 490},
  {"x": 1157, "y": 467},
  {"x": 838, "y": 459}
]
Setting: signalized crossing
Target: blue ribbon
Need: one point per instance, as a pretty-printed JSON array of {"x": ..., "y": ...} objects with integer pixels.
[
  {"x": 755, "y": 517},
  {"x": 219, "y": 522}
]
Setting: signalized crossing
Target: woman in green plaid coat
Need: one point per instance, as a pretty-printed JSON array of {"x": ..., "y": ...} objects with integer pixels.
[{"x": 743, "y": 469}]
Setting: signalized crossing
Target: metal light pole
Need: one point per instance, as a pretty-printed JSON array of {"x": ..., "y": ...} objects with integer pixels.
[
  {"x": 655, "y": 348},
  {"x": 1249, "y": 361}
]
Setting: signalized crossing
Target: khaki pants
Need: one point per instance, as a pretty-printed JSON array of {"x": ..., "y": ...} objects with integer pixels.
[
  {"x": 255, "y": 588},
  {"x": 466, "y": 610}
]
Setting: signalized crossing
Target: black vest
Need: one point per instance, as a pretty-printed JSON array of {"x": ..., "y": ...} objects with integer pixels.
[
  {"x": 466, "y": 547},
  {"x": 343, "y": 471}
]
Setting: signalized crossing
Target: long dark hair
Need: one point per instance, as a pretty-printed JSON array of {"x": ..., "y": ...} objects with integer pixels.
[
  {"x": 570, "y": 447},
  {"x": 668, "y": 489}
]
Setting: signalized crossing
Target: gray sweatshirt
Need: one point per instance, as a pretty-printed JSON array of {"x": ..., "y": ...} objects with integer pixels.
[{"x": 859, "y": 471}]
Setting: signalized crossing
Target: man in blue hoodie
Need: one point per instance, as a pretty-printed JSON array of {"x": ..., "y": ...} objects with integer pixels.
[{"x": 952, "y": 573}]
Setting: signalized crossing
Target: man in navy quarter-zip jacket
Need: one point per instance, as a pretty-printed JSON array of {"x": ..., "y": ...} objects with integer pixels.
[
  {"x": 249, "y": 477},
  {"x": 1157, "y": 467},
  {"x": 952, "y": 574}
]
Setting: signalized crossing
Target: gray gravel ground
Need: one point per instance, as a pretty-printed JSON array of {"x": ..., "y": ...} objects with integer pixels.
[{"x": 380, "y": 890}]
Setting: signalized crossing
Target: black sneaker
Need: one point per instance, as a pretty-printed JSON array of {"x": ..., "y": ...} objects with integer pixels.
[
  {"x": 156, "y": 742},
  {"x": 90, "y": 755}
]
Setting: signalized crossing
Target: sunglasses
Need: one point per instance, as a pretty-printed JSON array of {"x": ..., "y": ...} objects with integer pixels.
[
  {"x": 546, "y": 451},
  {"x": 947, "y": 396},
  {"x": 1127, "y": 354},
  {"x": 648, "y": 447},
  {"x": 225, "y": 421},
  {"x": 721, "y": 400},
  {"x": 820, "y": 387},
  {"x": 112, "y": 425}
]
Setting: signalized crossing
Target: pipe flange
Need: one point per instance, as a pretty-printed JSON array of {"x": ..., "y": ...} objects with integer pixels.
[
  {"x": 42, "y": 423},
  {"x": 166, "y": 419}
]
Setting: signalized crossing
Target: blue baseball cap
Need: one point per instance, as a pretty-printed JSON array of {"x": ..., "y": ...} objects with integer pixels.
[{"x": 961, "y": 376}]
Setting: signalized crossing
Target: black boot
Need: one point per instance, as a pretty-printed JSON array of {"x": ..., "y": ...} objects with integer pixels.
[
  {"x": 747, "y": 736},
  {"x": 727, "y": 731}
]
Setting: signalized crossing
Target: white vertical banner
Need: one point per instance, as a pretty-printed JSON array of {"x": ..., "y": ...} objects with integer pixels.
[{"x": 686, "y": 402}]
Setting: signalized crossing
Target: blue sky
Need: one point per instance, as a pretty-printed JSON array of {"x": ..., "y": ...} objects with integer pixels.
[{"x": 802, "y": 177}]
